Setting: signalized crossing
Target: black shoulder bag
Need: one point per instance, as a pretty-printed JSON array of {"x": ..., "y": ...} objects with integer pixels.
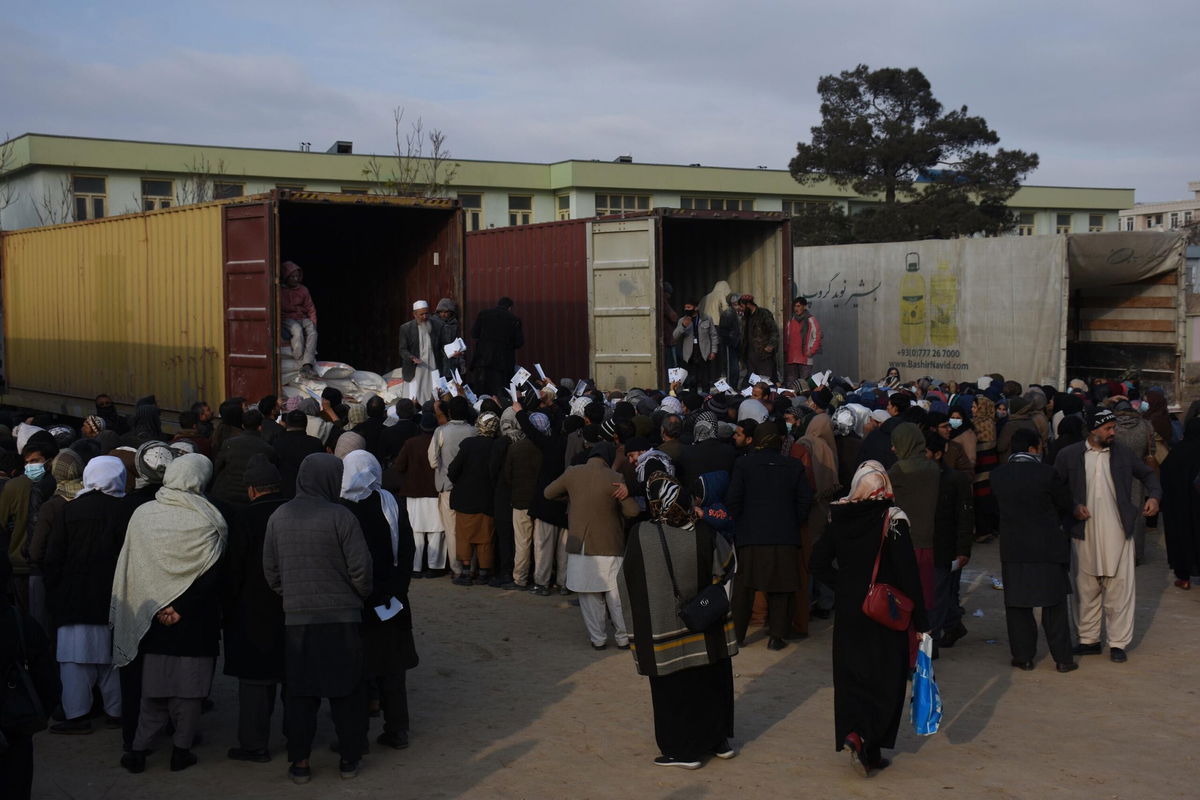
[
  {"x": 708, "y": 608},
  {"x": 21, "y": 709}
]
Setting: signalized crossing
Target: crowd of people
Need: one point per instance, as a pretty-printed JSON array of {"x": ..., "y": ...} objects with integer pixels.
[{"x": 284, "y": 536}]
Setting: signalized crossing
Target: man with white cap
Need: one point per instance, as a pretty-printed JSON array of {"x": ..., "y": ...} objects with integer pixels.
[
  {"x": 420, "y": 351},
  {"x": 1100, "y": 473}
]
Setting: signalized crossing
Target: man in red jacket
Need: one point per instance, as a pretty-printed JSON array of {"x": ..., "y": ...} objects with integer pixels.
[
  {"x": 299, "y": 316},
  {"x": 802, "y": 341}
]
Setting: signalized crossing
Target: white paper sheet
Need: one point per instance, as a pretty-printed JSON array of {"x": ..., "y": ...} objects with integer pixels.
[{"x": 389, "y": 609}]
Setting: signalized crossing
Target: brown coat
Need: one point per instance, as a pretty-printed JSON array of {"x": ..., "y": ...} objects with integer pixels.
[{"x": 594, "y": 516}]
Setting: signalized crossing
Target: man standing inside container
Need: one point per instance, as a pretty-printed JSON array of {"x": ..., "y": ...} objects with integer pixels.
[
  {"x": 802, "y": 338},
  {"x": 760, "y": 338},
  {"x": 420, "y": 352},
  {"x": 698, "y": 343},
  {"x": 299, "y": 317},
  {"x": 498, "y": 337}
]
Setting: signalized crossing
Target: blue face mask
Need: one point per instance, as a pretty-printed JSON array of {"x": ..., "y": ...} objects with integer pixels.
[
  {"x": 35, "y": 472},
  {"x": 955, "y": 423}
]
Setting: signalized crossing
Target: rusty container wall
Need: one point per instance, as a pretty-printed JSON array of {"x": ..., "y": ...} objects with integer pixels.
[
  {"x": 543, "y": 268},
  {"x": 129, "y": 306}
]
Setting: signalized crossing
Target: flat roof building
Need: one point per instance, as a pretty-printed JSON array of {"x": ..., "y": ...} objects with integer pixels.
[
  {"x": 48, "y": 179},
  {"x": 1163, "y": 216}
]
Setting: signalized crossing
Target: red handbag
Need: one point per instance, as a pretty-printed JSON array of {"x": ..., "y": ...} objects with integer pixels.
[{"x": 884, "y": 603}]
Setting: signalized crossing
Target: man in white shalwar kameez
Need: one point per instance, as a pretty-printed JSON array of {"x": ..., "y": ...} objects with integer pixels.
[
  {"x": 1103, "y": 563},
  {"x": 419, "y": 352}
]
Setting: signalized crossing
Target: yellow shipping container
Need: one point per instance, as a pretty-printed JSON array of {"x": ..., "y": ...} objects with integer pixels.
[{"x": 127, "y": 305}]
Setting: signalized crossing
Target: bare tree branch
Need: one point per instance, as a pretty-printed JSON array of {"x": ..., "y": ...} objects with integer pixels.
[
  {"x": 57, "y": 203},
  {"x": 413, "y": 173}
]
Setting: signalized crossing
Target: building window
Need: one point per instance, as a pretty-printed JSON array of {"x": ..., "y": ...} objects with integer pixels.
[
  {"x": 354, "y": 190},
  {"x": 1025, "y": 224},
  {"x": 618, "y": 203},
  {"x": 1129, "y": 223},
  {"x": 290, "y": 187},
  {"x": 717, "y": 203},
  {"x": 157, "y": 194},
  {"x": 473, "y": 206},
  {"x": 1187, "y": 218},
  {"x": 91, "y": 195},
  {"x": 520, "y": 209},
  {"x": 1095, "y": 223},
  {"x": 562, "y": 208},
  {"x": 224, "y": 191},
  {"x": 1062, "y": 223},
  {"x": 1174, "y": 220},
  {"x": 794, "y": 208}
]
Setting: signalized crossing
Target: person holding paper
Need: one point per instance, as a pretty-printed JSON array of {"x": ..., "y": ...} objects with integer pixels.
[
  {"x": 421, "y": 351},
  {"x": 802, "y": 341},
  {"x": 498, "y": 337},
  {"x": 760, "y": 338},
  {"x": 698, "y": 341},
  {"x": 452, "y": 353},
  {"x": 387, "y": 634}
]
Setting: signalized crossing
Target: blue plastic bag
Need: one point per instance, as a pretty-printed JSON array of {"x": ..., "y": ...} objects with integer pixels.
[{"x": 926, "y": 707}]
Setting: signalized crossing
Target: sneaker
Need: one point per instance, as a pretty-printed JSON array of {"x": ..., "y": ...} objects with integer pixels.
[
  {"x": 724, "y": 751},
  {"x": 540, "y": 591},
  {"x": 349, "y": 769},
  {"x": 463, "y": 580},
  {"x": 1081, "y": 649},
  {"x": 667, "y": 761},
  {"x": 396, "y": 741},
  {"x": 601, "y": 646},
  {"x": 997, "y": 583},
  {"x": 512, "y": 585},
  {"x": 73, "y": 727},
  {"x": 300, "y": 775},
  {"x": 1117, "y": 654},
  {"x": 858, "y": 758}
]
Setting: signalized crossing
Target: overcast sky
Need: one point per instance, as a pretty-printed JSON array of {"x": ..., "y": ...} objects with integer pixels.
[{"x": 1106, "y": 94}]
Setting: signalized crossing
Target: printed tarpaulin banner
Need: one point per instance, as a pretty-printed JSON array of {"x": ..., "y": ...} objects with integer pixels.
[{"x": 951, "y": 309}]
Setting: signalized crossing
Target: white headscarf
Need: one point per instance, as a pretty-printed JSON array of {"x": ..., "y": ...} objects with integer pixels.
[
  {"x": 23, "y": 433},
  {"x": 104, "y": 474},
  {"x": 361, "y": 475},
  {"x": 851, "y": 417},
  {"x": 169, "y": 544}
]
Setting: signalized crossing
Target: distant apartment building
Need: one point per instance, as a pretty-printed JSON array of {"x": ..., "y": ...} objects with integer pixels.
[
  {"x": 1163, "y": 216},
  {"x": 52, "y": 179}
]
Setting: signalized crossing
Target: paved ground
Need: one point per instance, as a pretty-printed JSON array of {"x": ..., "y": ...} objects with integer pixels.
[{"x": 511, "y": 702}]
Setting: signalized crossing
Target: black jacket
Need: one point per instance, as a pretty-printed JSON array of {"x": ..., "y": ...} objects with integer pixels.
[
  {"x": 391, "y": 572},
  {"x": 498, "y": 335},
  {"x": 229, "y": 467},
  {"x": 410, "y": 346},
  {"x": 81, "y": 559},
  {"x": 43, "y": 666},
  {"x": 393, "y": 439},
  {"x": 554, "y": 449},
  {"x": 474, "y": 474},
  {"x": 1125, "y": 468},
  {"x": 954, "y": 519},
  {"x": 769, "y": 498},
  {"x": 292, "y": 447},
  {"x": 710, "y": 455},
  {"x": 1032, "y": 501},
  {"x": 877, "y": 446},
  {"x": 254, "y": 632},
  {"x": 198, "y": 631}
]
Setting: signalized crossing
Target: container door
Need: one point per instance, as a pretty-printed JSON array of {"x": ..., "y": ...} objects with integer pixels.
[
  {"x": 250, "y": 338},
  {"x": 623, "y": 301}
]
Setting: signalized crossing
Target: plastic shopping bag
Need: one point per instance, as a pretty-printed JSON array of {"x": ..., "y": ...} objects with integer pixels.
[{"x": 926, "y": 708}]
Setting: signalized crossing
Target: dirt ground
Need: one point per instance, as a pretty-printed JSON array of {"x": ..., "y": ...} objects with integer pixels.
[{"x": 510, "y": 701}]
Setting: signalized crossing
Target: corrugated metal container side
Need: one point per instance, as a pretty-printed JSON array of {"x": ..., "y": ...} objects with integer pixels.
[
  {"x": 543, "y": 268},
  {"x": 128, "y": 306}
]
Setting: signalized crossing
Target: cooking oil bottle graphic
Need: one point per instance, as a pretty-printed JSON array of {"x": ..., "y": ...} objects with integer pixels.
[
  {"x": 912, "y": 302},
  {"x": 943, "y": 298}
]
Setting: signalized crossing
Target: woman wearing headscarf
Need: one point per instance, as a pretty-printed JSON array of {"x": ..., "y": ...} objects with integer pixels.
[
  {"x": 347, "y": 443},
  {"x": 473, "y": 500},
  {"x": 81, "y": 555},
  {"x": 1160, "y": 420},
  {"x": 146, "y": 423},
  {"x": 891, "y": 380},
  {"x": 691, "y": 674},
  {"x": 871, "y": 663},
  {"x": 67, "y": 471},
  {"x": 983, "y": 418},
  {"x": 388, "y": 646},
  {"x": 166, "y": 607},
  {"x": 1069, "y": 432},
  {"x": 1181, "y": 506}
]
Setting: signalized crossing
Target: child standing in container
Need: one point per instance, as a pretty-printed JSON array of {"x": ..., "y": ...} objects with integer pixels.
[{"x": 299, "y": 317}]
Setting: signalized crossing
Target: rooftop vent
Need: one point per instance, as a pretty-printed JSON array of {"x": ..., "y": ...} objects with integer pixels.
[
  {"x": 623, "y": 160},
  {"x": 341, "y": 148}
]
